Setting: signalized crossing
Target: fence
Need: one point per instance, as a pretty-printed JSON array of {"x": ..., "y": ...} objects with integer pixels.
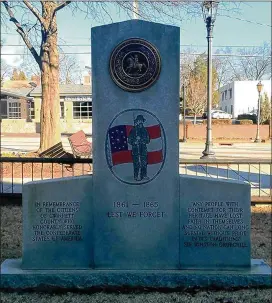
[{"x": 17, "y": 171}]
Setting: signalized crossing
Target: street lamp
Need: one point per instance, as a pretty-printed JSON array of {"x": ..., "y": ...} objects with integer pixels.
[
  {"x": 184, "y": 112},
  {"x": 209, "y": 9},
  {"x": 259, "y": 89}
]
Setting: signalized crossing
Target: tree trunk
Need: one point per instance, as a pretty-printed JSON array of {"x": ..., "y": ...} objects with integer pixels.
[{"x": 50, "y": 106}]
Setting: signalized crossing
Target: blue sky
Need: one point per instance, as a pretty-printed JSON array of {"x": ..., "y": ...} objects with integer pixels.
[{"x": 228, "y": 31}]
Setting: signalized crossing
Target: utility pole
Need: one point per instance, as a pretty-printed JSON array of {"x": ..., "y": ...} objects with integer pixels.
[{"x": 135, "y": 9}]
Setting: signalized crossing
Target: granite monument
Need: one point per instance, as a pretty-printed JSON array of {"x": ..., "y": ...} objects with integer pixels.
[{"x": 135, "y": 222}]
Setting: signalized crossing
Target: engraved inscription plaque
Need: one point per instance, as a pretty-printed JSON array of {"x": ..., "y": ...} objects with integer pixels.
[{"x": 135, "y": 64}]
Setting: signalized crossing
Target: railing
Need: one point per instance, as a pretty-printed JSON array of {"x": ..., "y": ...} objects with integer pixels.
[
  {"x": 15, "y": 172},
  {"x": 258, "y": 173}
]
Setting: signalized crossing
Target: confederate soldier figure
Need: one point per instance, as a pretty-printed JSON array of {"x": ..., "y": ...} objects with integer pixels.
[{"x": 139, "y": 138}]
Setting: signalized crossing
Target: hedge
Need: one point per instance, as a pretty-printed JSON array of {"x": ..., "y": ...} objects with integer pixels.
[
  {"x": 244, "y": 122},
  {"x": 248, "y": 117},
  {"x": 219, "y": 121}
]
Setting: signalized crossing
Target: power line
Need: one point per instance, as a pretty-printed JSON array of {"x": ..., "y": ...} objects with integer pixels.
[
  {"x": 244, "y": 20},
  {"x": 187, "y": 54},
  {"x": 183, "y": 45}
]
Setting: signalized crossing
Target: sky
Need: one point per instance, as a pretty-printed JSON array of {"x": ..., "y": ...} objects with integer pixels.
[{"x": 249, "y": 26}]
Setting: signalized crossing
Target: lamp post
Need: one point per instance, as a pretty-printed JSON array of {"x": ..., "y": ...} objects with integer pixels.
[
  {"x": 259, "y": 89},
  {"x": 184, "y": 112},
  {"x": 209, "y": 9}
]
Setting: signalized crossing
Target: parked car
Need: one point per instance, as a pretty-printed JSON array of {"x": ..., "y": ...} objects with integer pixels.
[{"x": 217, "y": 114}]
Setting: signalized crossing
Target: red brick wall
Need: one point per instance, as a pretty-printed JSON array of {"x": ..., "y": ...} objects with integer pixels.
[{"x": 221, "y": 132}]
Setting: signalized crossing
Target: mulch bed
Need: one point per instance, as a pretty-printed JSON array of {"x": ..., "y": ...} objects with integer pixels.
[
  {"x": 44, "y": 170},
  {"x": 261, "y": 230}
]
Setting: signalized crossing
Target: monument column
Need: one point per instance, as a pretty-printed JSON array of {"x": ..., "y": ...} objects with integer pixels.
[{"x": 135, "y": 145}]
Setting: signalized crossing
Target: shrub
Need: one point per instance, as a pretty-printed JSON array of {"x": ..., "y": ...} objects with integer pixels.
[
  {"x": 266, "y": 122},
  {"x": 244, "y": 122},
  {"x": 248, "y": 117},
  {"x": 219, "y": 121}
]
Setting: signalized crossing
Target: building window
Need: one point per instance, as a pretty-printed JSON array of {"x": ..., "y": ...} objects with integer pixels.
[
  {"x": 61, "y": 110},
  {"x": 14, "y": 110},
  {"x": 82, "y": 110},
  {"x": 230, "y": 93},
  {"x": 226, "y": 94},
  {"x": 223, "y": 96},
  {"x": 31, "y": 110},
  {"x": 226, "y": 109},
  {"x": 231, "y": 109},
  {"x": 3, "y": 109}
]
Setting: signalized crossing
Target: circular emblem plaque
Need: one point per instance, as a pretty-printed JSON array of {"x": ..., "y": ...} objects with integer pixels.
[
  {"x": 135, "y": 146},
  {"x": 135, "y": 64}
]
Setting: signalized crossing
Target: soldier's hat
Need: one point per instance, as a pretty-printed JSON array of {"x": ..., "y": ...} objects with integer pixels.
[{"x": 140, "y": 118}]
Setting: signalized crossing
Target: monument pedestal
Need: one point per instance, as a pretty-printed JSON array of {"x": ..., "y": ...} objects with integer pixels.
[{"x": 13, "y": 277}]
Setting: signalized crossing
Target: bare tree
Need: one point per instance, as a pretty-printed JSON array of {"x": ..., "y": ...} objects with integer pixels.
[
  {"x": 222, "y": 68},
  {"x": 251, "y": 64},
  {"x": 254, "y": 68},
  {"x": 70, "y": 71},
  {"x": 45, "y": 18},
  {"x": 6, "y": 69},
  {"x": 196, "y": 95},
  {"x": 37, "y": 25}
]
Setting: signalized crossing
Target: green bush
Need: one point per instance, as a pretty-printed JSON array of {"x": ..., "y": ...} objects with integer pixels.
[
  {"x": 244, "y": 122},
  {"x": 219, "y": 121},
  {"x": 266, "y": 122},
  {"x": 253, "y": 118}
]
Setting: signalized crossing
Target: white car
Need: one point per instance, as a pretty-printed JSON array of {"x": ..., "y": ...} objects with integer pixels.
[{"x": 219, "y": 114}]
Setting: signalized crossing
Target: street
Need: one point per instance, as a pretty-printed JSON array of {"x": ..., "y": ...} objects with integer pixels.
[
  {"x": 257, "y": 175},
  {"x": 188, "y": 150}
]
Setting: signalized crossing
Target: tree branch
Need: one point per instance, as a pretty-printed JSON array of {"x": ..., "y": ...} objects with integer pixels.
[
  {"x": 61, "y": 5},
  {"x": 34, "y": 11},
  {"x": 22, "y": 33}
]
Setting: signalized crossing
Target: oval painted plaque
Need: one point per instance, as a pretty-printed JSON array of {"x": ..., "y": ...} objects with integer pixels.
[
  {"x": 135, "y": 146},
  {"x": 135, "y": 64}
]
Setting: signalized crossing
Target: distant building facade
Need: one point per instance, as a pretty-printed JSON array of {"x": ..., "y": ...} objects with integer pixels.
[
  {"x": 14, "y": 103},
  {"x": 24, "y": 105},
  {"x": 239, "y": 97}
]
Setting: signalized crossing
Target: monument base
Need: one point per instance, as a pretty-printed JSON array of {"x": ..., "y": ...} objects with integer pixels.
[{"x": 13, "y": 277}]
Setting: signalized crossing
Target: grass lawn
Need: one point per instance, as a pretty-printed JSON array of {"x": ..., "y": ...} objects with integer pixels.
[{"x": 11, "y": 245}]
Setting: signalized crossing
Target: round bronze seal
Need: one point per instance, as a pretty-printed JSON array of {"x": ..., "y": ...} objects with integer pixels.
[{"x": 135, "y": 64}]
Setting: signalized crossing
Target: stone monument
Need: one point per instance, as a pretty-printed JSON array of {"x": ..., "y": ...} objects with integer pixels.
[{"x": 135, "y": 222}]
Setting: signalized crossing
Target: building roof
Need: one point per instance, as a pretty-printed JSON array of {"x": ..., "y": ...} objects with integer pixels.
[
  {"x": 66, "y": 90},
  {"x": 17, "y": 84},
  {"x": 16, "y": 92}
]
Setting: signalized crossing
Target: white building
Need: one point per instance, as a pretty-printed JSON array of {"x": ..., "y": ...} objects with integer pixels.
[{"x": 240, "y": 97}]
